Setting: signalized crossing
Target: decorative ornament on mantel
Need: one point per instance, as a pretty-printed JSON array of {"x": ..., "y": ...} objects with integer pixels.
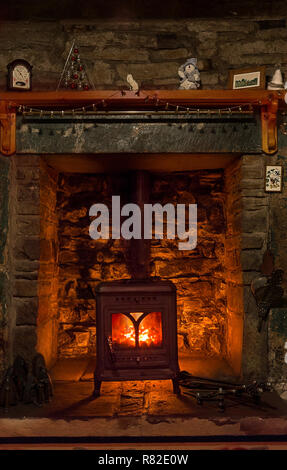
[
  {"x": 75, "y": 75},
  {"x": 276, "y": 82},
  {"x": 132, "y": 83},
  {"x": 19, "y": 77},
  {"x": 189, "y": 75}
]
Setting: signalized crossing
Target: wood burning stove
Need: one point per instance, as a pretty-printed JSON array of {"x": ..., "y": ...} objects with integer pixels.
[
  {"x": 136, "y": 331},
  {"x": 137, "y": 318}
]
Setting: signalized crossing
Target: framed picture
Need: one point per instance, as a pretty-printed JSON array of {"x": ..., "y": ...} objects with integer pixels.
[
  {"x": 273, "y": 179},
  {"x": 247, "y": 78}
]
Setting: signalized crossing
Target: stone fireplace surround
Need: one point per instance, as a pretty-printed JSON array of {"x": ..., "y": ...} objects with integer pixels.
[{"x": 54, "y": 264}]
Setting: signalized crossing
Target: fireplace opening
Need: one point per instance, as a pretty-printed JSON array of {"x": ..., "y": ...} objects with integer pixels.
[{"x": 72, "y": 266}]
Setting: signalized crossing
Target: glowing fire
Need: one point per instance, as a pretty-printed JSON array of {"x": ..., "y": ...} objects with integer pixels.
[{"x": 150, "y": 331}]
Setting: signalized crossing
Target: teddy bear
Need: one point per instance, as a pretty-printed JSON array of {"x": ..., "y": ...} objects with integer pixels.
[{"x": 189, "y": 75}]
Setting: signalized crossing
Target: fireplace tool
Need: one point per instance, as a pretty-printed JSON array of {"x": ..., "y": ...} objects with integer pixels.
[
  {"x": 24, "y": 384},
  {"x": 207, "y": 390},
  {"x": 266, "y": 288}
]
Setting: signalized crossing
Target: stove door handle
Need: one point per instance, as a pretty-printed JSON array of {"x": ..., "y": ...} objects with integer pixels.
[{"x": 110, "y": 346}]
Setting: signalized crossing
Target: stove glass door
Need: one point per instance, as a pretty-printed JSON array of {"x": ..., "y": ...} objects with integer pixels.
[{"x": 137, "y": 329}]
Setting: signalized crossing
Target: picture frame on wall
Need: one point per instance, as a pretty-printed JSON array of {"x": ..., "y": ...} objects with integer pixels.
[
  {"x": 273, "y": 178},
  {"x": 241, "y": 79}
]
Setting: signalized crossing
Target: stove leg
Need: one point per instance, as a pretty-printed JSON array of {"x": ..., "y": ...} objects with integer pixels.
[
  {"x": 176, "y": 387},
  {"x": 97, "y": 389}
]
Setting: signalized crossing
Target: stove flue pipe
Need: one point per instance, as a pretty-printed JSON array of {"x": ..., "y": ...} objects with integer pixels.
[{"x": 138, "y": 251}]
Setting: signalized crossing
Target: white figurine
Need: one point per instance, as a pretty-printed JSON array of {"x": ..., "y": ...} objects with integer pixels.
[
  {"x": 276, "y": 82},
  {"x": 132, "y": 83},
  {"x": 189, "y": 75}
]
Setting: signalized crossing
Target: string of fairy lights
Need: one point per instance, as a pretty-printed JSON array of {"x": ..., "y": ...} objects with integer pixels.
[{"x": 158, "y": 105}]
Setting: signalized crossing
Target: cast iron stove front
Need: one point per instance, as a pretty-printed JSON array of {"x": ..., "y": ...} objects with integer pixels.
[{"x": 136, "y": 332}]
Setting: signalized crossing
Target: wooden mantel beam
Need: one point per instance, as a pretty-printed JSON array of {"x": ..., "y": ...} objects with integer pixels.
[
  {"x": 266, "y": 101},
  {"x": 129, "y": 98}
]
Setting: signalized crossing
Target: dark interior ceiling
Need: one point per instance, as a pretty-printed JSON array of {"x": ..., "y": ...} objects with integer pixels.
[{"x": 138, "y": 9}]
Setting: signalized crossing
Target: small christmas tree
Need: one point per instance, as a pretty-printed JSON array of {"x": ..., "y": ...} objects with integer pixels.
[{"x": 74, "y": 75}]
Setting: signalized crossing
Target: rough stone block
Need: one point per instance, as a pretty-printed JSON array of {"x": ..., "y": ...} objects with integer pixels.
[
  {"x": 254, "y": 59},
  {"x": 25, "y": 288},
  {"x": 149, "y": 71},
  {"x": 27, "y": 160},
  {"x": 255, "y": 345},
  {"x": 169, "y": 54},
  {"x": 254, "y": 221},
  {"x": 102, "y": 73},
  {"x": 204, "y": 64},
  {"x": 32, "y": 275},
  {"x": 27, "y": 248},
  {"x": 195, "y": 290},
  {"x": 220, "y": 25},
  {"x": 250, "y": 307},
  {"x": 174, "y": 40},
  {"x": 233, "y": 49},
  {"x": 26, "y": 311},
  {"x": 209, "y": 78},
  {"x": 251, "y": 260},
  {"x": 186, "y": 266},
  {"x": 253, "y": 192},
  {"x": 252, "y": 240},
  {"x": 251, "y": 183},
  {"x": 277, "y": 337},
  {"x": 26, "y": 265},
  {"x": 248, "y": 277},
  {"x": 28, "y": 208},
  {"x": 124, "y": 54},
  {"x": 207, "y": 43},
  {"x": 29, "y": 225},
  {"x": 92, "y": 38},
  {"x": 254, "y": 203},
  {"x": 25, "y": 341},
  {"x": 252, "y": 171},
  {"x": 27, "y": 175},
  {"x": 28, "y": 193}
]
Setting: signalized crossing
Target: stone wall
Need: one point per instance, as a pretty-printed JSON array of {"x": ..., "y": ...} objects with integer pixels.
[
  {"x": 33, "y": 267},
  {"x": 4, "y": 262},
  {"x": 152, "y": 50},
  {"x": 29, "y": 293},
  {"x": 24, "y": 228},
  {"x": 277, "y": 324}
]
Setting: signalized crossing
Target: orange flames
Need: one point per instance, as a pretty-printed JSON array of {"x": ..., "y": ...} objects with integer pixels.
[{"x": 124, "y": 334}]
